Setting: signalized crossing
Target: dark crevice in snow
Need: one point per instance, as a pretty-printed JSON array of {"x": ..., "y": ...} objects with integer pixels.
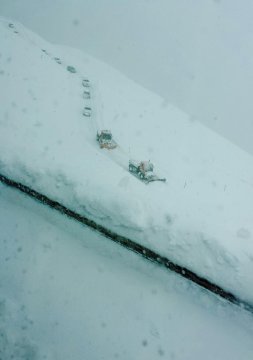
[{"x": 131, "y": 245}]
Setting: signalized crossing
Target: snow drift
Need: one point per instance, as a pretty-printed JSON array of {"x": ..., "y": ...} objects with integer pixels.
[{"x": 201, "y": 218}]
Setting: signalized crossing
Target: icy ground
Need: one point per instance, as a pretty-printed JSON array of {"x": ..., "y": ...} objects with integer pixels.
[
  {"x": 201, "y": 218},
  {"x": 68, "y": 293}
]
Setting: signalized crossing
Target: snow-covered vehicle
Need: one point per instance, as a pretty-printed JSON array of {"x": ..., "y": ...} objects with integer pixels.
[
  {"x": 144, "y": 171},
  {"x": 87, "y": 111},
  {"x": 86, "y": 94},
  {"x": 71, "y": 69},
  {"x": 58, "y": 60},
  {"x": 86, "y": 83},
  {"x": 105, "y": 140}
]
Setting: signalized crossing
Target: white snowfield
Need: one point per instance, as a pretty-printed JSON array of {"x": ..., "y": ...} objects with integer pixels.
[{"x": 201, "y": 218}]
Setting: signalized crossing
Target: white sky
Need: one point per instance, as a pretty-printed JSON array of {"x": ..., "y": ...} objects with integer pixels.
[{"x": 195, "y": 53}]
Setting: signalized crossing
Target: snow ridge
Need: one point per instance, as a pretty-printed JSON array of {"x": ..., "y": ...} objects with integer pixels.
[{"x": 201, "y": 219}]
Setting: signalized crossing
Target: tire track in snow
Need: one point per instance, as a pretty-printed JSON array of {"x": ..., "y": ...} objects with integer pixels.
[{"x": 130, "y": 245}]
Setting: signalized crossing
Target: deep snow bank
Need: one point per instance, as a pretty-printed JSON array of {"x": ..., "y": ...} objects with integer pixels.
[{"x": 201, "y": 218}]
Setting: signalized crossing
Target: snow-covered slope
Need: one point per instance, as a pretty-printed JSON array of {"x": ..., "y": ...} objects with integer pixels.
[{"x": 201, "y": 218}]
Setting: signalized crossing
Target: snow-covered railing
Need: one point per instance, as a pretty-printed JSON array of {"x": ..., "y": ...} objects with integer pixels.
[{"x": 130, "y": 244}]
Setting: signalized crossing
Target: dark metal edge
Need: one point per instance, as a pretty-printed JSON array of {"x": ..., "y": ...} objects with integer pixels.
[{"x": 130, "y": 244}]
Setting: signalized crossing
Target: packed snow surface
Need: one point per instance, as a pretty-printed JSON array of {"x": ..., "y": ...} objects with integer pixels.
[
  {"x": 201, "y": 217},
  {"x": 68, "y": 293}
]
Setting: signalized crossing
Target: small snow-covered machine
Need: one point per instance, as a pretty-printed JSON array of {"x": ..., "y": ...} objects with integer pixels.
[
  {"x": 86, "y": 94},
  {"x": 87, "y": 111},
  {"x": 144, "y": 171},
  {"x": 105, "y": 140},
  {"x": 86, "y": 83}
]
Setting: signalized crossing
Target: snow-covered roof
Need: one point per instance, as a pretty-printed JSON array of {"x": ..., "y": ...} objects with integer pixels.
[{"x": 202, "y": 216}]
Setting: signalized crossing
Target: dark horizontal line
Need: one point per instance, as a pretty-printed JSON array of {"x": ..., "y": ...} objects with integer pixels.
[{"x": 131, "y": 245}]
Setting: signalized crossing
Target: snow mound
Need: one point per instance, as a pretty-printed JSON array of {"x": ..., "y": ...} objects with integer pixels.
[{"x": 201, "y": 218}]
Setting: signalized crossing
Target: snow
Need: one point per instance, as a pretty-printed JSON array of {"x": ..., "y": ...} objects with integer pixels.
[
  {"x": 201, "y": 218},
  {"x": 196, "y": 54},
  {"x": 68, "y": 293}
]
